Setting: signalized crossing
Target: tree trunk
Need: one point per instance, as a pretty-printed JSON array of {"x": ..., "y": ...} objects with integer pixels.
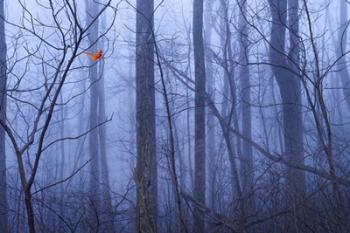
[
  {"x": 62, "y": 164},
  {"x": 146, "y": 168},
  {"x": 211, "y": 147},
  {"x": 30, "y": 211},
  {"x": 229, "y": 111},
  {"x": 3, "y": 78},
  {"x": 199, "y": 67},
  {"x": 341, "y": 49},
  {"x": 92, "y": 10},
  {"x": 106, "y": 195},
  {"x": 247, "y": 169},
  {"x": 289, "y": 85}
]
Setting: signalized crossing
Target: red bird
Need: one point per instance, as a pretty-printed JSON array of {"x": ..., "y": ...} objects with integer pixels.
[{"x": 95, "y": 56}]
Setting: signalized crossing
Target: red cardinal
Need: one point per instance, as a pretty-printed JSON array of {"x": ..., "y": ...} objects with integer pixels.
[{"x": 95, "y": 56}]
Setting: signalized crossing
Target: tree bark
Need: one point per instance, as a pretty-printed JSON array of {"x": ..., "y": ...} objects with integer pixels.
[
  {"x": 200, "y": 83},
  {"x": 146, "y": 168},
  {"x": 285, "y": 65},
  {"x": 30, "y": 211}
]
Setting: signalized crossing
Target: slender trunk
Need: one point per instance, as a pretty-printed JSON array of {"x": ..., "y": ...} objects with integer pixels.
[
  {"x": 80, "y": 151},
  {"x": 247, "y": 169},
  {"x": 341, "y": 49},
  {"x": 30, "y": 211},
  {"x": 132, "y": 125},
  {"x": 199, "y": 62},
  {"x": 230, "y": 111},
  {"x": 3, "y": 78},
  {"x": 105, "y": 182},
  {"x": 94, "y": 185},
  {"x": 211, "y": 147},
  {"x": 63, "y": 156}
]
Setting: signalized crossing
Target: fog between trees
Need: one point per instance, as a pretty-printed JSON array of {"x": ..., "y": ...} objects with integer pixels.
[{"x": 197, "y": 116}]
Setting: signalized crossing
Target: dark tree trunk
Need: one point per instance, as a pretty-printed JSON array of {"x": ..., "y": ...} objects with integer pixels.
[
  {"x": 146, "y": 170},
  {"x": 30, "y": 212},
  {"x": 3, "y": 77},
  {"x": 199, "y": 67},
  {"x": 289, "y": 85}
]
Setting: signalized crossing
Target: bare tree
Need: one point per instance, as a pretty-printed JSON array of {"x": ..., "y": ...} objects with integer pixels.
[
  {"x": 146, "y": 168},
  {"x": 107, "y": 207},
  {"x": 341, "y": 48},
  {"x": 283, "y": 65},
  {"x": 211, "y": 147},
  {"x": 3, "y": 86},
  {"x": 31, "y": 144},
  {"x": 240, "y": 116},
  {"x": 91, "y": 13},
  {"x": 246, "y": 159},
  {"x": 200, "y": 94}
]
